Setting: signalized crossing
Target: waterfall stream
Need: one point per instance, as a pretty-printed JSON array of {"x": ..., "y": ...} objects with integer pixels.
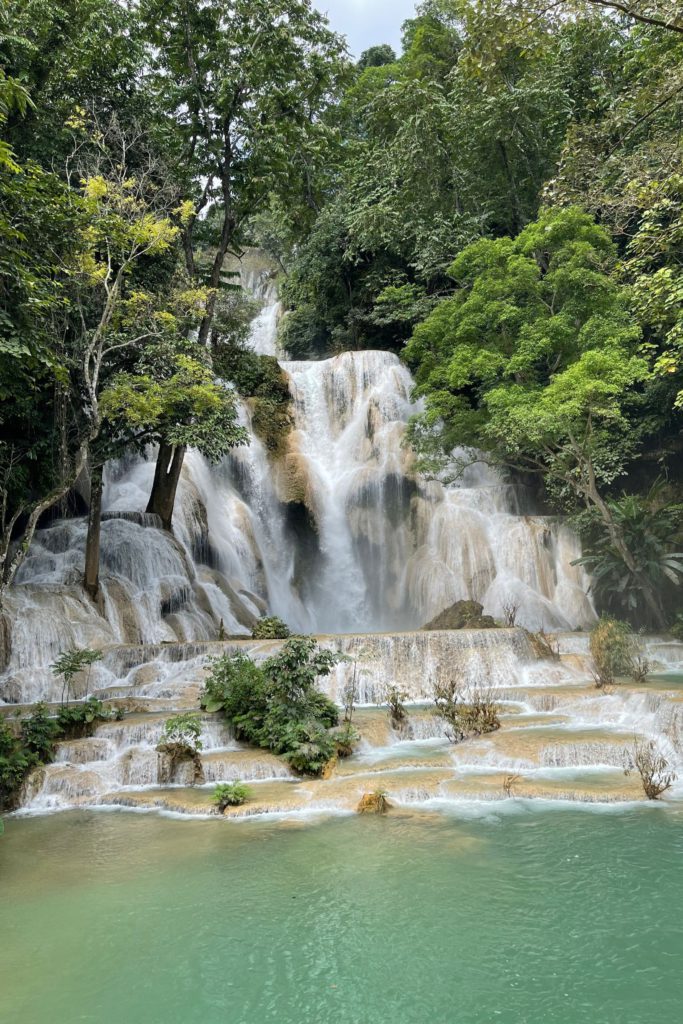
[{"x": 340, "y": 536}]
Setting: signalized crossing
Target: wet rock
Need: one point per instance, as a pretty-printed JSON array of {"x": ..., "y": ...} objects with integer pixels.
[
  {"x": 374, "y": 803},
  {"x": 462, "y": 615}
]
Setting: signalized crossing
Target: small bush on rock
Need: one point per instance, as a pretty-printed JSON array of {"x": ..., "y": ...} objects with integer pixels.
[
  {"x": 76, "y": 721},
  {"x": 374, "y": 803},
  {"x": 466, "y": 712},
  {"x": 612, "y": 647},
  {"x": 656, "y": 775},
  {"x": 398, "y": 715},
  {"x": 271, "y": 628},
  {"x": 277, "y": 705},
  {"x": 180, "y": 742},
  {"x": 346, "y": 737},
  {"x": 230, "y": 794}
]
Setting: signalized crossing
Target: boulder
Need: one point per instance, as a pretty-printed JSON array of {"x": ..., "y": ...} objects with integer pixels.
[{"x": 462, "y": 615}]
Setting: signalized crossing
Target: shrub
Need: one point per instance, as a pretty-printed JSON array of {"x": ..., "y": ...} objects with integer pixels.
[
  {"x": 75, "y": 721},
  {"x": 261, "y": 380},
  {"x": 277, "y": 705},
  {"x": 677, "y": 627},
  {"x": 16, "y": 761},
  {"x": 236, "y": 686},
  {"x": 271, "y": 628},
  {"x": 612, "y": 650},
  {"x": 345, "y": 738},
  {"x": 70, "y": 663},
  {"x": 545, "y": 647},
  {"x": 656, "y": 775},
  {"x": 466, "y": 712},
  {"x": 230, "y": 794},
  {"x": 180, "y": 742},
  {"x": 509, "y": 782},
  {"x": 394, "y": 701},
  {"x": 184, "y": 729},
  {"x": 39, "y": 732},
  {"x": 310, "y": 747}
]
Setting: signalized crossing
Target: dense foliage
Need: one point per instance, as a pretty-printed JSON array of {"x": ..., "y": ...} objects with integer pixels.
[
  {"x": 615, "y": 652},
  {"x": 32, "y": 742},
  {"x": 277, "y": 705},
  {"x": 229, "y": 794},
  {"x": 271, "y": 628}
]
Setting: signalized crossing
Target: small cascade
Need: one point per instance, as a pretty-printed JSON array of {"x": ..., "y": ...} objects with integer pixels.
[{"x": 560, "y": 738}]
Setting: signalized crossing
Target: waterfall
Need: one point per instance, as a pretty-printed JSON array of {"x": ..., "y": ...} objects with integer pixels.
[{"x": 338, "y": 534}]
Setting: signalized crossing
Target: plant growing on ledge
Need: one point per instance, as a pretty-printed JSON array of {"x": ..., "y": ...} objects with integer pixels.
[
  {"x": 545, "y": 647},
  {"x": 397, "y": 713},
  {"x": 466, "y": 712},
  {"x": 70, "y": 663},
  {"x": 656, "y": 775},
  {"x": 230, "y": 794},
  {"x": 277, "y": 705},
  {"x": 32, "y": 742},
  {"x": 612, "y": 648},
  {"x": 510, "y": 612},
  {"x": 181, "y": 742},
  {"x": 271, "y": 628},
  {"x": 75, "y": 721}
]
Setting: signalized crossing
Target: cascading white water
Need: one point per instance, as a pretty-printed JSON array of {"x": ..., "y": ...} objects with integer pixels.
[{"x": 338, "y": 534}]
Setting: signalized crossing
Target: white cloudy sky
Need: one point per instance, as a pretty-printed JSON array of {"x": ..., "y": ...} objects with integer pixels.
[{"x": 367, "y": 22}]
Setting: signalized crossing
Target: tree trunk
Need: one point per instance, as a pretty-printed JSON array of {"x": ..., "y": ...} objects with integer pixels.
[
  {"x": 91, "y": 576},
  {"x": 13, "y": 550},
  {"x": 517, "y": 218},
  {"x": 166, "y": 477}
]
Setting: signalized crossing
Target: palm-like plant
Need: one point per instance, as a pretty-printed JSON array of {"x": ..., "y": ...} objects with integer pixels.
[{"x": 649, "y": 526}]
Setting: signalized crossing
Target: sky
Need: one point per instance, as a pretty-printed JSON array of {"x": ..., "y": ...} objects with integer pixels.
[{"x": 368, "y": 22}]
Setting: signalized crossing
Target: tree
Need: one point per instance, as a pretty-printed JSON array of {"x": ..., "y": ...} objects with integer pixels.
[
  {"x": 452, "y": 140},
  {"x": 76, "y": 331},
  {"x": 376, "y": 57},
  {"x": 536, "y": 360},
  {"x": 243, "y": 84},
  {"x": 649, "y": 524}
]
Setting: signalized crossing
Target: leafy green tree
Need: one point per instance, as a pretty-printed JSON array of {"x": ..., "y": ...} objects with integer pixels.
[
  {"x": 70, "y": 663},
  {"x": 75, "y": 58},
  {"x": 536, "y": 361},
  {"x": 243, "y": 84},
  {"x": 376, "y": 57},
  {"x": 277, "y": 705}
]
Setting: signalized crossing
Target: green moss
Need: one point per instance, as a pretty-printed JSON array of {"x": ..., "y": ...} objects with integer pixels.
[{"x": 261, "y": 381}]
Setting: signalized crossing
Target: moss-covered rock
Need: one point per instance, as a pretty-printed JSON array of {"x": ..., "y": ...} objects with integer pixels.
[
  {"x": 374, "y": 803},
  {"x": 462, "y": 615}
]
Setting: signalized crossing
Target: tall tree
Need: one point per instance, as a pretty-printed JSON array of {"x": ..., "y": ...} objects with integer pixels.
[
  {"x": 244, "y": 84},
  {"x": 536, "y": 360}
]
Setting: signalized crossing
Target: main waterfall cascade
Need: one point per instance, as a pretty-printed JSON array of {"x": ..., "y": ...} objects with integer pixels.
[{"x": 339, "y": 534}]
